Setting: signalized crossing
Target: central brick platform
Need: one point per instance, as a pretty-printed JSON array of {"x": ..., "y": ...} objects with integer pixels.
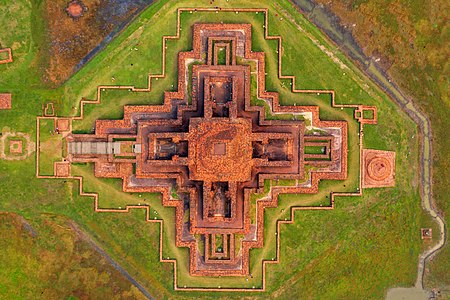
[{"x": 220, "y": 149}]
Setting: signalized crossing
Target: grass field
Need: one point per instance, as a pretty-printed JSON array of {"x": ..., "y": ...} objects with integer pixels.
[
  {"x": 370, "y": 243},
  {"x": 411, "y": 40},
  {"x": 51, "y": 146},
  {"x": 75, "y": 265}
]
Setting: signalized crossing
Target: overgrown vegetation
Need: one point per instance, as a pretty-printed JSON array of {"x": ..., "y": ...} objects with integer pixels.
[{"x": 28, "y": 247}]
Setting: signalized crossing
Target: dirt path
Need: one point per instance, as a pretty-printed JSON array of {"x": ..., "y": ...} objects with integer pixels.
[
  {"x": 329, "y": 25},
  {"x": 83, "y": 235}
]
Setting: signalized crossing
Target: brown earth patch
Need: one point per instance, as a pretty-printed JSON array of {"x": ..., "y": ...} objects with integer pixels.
[{"x": 74, "y": 29}]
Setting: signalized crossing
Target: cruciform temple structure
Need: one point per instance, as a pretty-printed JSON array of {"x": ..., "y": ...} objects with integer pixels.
[{"x": 207, "y": 148}]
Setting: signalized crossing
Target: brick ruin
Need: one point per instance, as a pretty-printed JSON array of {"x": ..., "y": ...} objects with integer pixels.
[
  {"x": 9, "y": 58},
  {"x": 16, "y": 147},
  {"x": 378, "y": 168},
  {"x": 207, "y": 149},
  {"x": 75, "y": 9},
  {"x": 426, "y": 233},
  {"x": 5, "y": 101}
]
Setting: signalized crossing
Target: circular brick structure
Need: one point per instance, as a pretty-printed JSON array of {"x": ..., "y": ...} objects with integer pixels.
[
  {"x": 379, "y": 168},
  {"x": 75, "y": 9}
]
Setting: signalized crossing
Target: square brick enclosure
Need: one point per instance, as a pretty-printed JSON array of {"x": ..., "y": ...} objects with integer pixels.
[
  {"x": 378, "y": 168},
  {"x": 62, "y": 169},
  {"x": 5, "y": 101},
  {"x": 63, "y": 124},
  {"x": 15, "y": 147},
  {"x": 7, "y": 53}
]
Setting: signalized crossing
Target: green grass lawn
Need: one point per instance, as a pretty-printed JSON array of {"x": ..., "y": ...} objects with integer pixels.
[
  {"x": 50, "y": 146},
  {"x": 363, "y": 247}
]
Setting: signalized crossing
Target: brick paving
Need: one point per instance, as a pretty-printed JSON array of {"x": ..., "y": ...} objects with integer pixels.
[{"x": 5, "y": 101}]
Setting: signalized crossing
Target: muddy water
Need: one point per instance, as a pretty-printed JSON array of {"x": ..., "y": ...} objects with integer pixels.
[
  {"x": 111, "y": 13},
  {"x": 330, "y": 24}
]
